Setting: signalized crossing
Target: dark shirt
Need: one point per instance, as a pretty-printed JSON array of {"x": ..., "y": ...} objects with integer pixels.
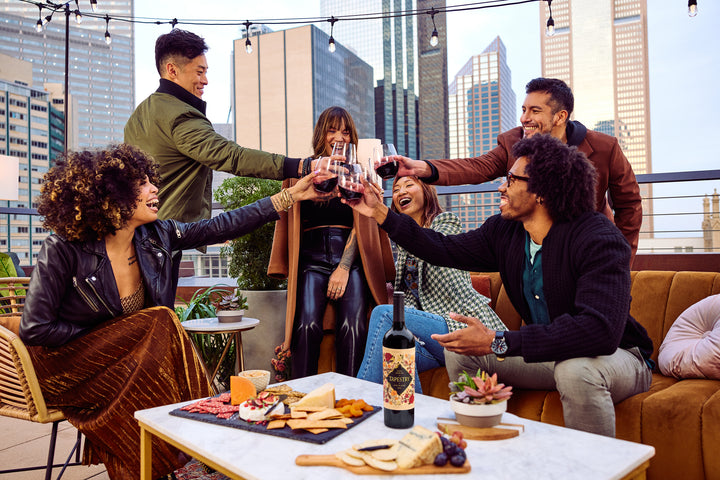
[{"x": 321, "y": 214}]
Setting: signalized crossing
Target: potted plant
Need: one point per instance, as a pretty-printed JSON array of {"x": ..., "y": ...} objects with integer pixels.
[
  {"x": 479, "y": 401},
  {"x": 231, "y": 307},
  {"x": 248, "y": 257}
]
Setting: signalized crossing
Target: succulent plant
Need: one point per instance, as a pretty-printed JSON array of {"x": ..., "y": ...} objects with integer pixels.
[
  {"x": 480, "y": 389},
  {"x": 231, "y": 301}
]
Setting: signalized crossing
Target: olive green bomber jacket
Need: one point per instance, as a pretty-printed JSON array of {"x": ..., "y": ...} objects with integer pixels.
[{"x": 171, "y": 126}]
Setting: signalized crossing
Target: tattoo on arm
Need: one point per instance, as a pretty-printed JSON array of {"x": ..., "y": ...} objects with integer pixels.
[{"x": 350, "y": 251}]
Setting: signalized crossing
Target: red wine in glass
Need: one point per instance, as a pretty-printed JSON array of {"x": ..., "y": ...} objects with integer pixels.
[
  {"x": 351, "y": 191},
  {"x": 327, "y": 178},
  {"x": 385, "y": 166}
]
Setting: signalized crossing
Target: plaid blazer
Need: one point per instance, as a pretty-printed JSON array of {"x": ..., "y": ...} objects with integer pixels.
[{"x": 443, "y": 290}]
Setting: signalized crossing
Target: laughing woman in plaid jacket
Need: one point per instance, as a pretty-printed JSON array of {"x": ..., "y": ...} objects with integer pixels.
[{"x": 431, "y": 292}]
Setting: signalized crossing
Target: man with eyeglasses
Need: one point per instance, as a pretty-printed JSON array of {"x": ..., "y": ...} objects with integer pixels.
[
  {"x": 566, "y": 270},
  {"x": 546, "y": 109}
]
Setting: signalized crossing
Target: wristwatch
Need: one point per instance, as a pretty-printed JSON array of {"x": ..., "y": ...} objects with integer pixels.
[{"x": 499, "y": 345}]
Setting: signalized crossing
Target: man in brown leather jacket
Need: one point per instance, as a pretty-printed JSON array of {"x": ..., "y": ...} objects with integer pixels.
[{"x": 546, "y": 109}]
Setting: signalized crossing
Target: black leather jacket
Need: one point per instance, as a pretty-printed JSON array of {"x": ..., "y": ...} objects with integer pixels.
[{"x": 73, "y": 287}]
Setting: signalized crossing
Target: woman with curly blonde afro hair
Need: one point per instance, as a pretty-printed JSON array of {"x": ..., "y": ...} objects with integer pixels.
[{"x": 98, "y": 317}]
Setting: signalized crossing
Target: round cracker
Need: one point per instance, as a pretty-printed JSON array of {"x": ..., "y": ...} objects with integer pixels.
[{"x": 350, "y": 460}]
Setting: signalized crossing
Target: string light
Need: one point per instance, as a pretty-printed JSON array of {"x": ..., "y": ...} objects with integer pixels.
[
  {"x": 93, "y": 5},
  {"x": 47, "y": 19},
  {"x": 248, "y": 44},
  {"x": 434, "y": 40},
  {"x": 39, "y": 24},
  {"x": 108, "y": 39},
  {"x": 78, "y": 15},
  {"x": 173, "y": 23},
  {"x": 692, "y": 8},
  {"x": 550, "y": 28},
  {"x": 331, "y": 42}
]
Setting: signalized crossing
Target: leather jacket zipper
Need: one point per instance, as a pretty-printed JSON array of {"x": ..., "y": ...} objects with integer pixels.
[
  {"x": 99, "y": 297},
  {"x": 177, "y": 230},
  {"x": 85, "y": 296}
]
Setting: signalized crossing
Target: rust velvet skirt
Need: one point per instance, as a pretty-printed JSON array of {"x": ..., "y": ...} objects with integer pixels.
[{"x": 137, "y": 361}]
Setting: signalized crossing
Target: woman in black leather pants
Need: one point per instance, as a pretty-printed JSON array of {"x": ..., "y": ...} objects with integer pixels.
[{"x": 340, "y": 260}]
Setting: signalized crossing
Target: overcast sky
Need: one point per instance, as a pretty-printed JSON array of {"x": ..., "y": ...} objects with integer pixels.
[{"x": 683, "y": 58}]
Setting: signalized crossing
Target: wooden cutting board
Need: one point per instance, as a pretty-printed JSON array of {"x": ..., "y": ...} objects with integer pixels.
[
  {"x": 473, "y": 433},
  {"x": 333, "y": 461}
]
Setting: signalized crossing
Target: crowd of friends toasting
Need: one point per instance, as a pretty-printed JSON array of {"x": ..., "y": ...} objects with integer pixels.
[{"x": 99, "y": 315}]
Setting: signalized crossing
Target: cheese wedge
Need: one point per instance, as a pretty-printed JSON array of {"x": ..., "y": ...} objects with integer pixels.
[
  {"x": 320, "y": 397},
  {"x": 418, "y": 447},
  {"x": 241, "y": 389}
]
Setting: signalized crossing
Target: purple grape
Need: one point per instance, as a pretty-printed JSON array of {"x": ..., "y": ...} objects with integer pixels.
[
  {"x": 441, "y": 459},
  {"x": 450, "y": 449},
  {"x": 457, "y": 460}
]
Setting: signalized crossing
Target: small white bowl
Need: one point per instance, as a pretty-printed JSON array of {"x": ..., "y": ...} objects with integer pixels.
[
  {"x": 230, "y": 316},
  {"x": 259, "y": 378},
  {"x": 479, "y": 416}
]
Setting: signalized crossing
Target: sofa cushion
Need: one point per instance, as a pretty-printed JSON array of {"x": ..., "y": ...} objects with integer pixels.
[{"x": 691, "y": 348}]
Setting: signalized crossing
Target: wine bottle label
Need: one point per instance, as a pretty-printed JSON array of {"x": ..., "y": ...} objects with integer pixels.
[{"x": 399, "y": 378}]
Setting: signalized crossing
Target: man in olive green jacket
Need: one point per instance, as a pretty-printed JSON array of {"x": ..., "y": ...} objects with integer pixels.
[{"x": 171, "y": 126}]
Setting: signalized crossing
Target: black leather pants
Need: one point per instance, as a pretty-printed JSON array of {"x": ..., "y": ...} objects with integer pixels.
[{"x": 321, "y": 252}]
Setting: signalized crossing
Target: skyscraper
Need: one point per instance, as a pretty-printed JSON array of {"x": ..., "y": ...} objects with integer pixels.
[
  {"x": 600, "y": 49},
  {"x": 482, "y": 105},
  {"x": 433, "y": 73},
  {"x": 101, "y": 76},
  {"x": 31, "y": 130},
  {"x": 288, "y": 80},
  {"x": 388, "y": 45}
]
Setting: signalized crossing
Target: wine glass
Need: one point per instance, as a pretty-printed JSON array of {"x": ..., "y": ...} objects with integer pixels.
[
  {"x": 339, "y": 148},
  {"x": 350, "y": 181},
  {"x": 385, "y": 165},
  {"x": 327, "y": 177}
]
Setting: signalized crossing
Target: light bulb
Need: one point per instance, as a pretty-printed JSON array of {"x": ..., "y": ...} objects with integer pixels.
[
  {"x": 93, "y": 5},
  {"x": 434, "y": 40},
  {"x": 47, "y": 20},
  {"x": 331, "y": 45},
  {"x": 78, "y": 16},
  {"x": 692, "y": 8},
  {"x": 108, "y": 39},
  {"x": 550, "y": 31},
  {"x": 248, "y": 46},
  {"x": 39, "y": 26}
]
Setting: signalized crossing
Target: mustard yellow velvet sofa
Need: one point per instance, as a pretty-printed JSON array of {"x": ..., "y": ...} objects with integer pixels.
[{"x": 680, "y": 418}]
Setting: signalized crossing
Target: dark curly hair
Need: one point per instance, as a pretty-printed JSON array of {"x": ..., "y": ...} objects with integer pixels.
[
  {"x": 180, "y": 44},
  {"x": 561, "y": 97},
  {"x": 560, "y": 175},
  {"x": 90, "y": 194}
]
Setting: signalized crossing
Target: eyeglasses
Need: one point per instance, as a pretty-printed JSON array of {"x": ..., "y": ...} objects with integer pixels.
[{"x": 512, "y": 178}]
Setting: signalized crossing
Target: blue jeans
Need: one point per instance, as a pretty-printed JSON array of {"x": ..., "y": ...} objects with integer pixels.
[{"x": 428, "y": 353}]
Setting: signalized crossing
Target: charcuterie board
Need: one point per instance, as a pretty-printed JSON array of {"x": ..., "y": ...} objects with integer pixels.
[{"x": 333, "y": 461}]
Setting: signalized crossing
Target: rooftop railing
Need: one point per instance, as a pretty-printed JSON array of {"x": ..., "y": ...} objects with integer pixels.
[{"x": 677, "y": 232}]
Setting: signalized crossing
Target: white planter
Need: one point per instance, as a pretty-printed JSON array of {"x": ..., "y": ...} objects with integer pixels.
[
  {"x": 479, "y": 416},
  {"x": 230, "y": 316}
]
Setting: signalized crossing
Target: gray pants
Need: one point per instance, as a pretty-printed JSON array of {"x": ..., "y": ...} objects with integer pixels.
[{"x": 589, "y": 387}]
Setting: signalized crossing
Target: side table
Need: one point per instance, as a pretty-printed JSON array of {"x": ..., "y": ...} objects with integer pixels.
[{"x": 211, "y": 326}]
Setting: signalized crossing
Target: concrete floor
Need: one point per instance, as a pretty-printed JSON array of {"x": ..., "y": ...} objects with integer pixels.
[{"x": 25, "y": 444}]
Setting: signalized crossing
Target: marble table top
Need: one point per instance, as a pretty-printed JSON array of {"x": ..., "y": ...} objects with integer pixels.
[
  {"x": 541, "y": 451},
  {"x": 212, "y": 325}
]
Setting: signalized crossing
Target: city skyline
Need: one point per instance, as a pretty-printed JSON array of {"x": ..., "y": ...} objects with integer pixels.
[{"x": 677, "y": 43}]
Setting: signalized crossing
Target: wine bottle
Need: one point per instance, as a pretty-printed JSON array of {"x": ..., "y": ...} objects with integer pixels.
[{"x": 399, "y": 369}]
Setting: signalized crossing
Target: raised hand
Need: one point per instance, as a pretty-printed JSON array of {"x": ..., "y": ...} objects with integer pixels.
[
  {"x": 475, "y": 339},
  {"x": 408, "y": 166}
]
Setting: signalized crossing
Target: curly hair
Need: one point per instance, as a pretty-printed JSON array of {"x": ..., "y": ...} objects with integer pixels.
[
  {"x": 561, "y": 97},
  {"x": 90, "y": 194},
  {"x": 432, "y": 204},
  {"x": 179, "y": 44},
  {"x": 333, "y": 117},
  {"x": 560, "y": 175}
]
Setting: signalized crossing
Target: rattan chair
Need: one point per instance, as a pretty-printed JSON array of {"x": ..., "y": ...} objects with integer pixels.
[{"x": 20, "y": 395}]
